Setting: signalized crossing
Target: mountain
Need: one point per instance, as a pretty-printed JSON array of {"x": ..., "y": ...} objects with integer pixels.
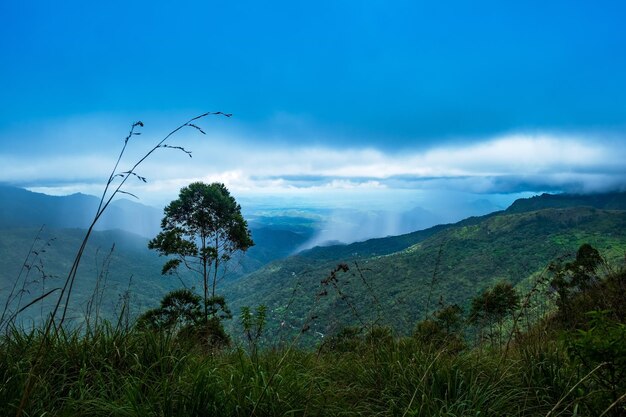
[
  {"x": 20, "y": 208},
  {"x": 126, "y": 226},
  {"x": 397, "y": 280},
  {"x": 607, "y": 201},
  {"x": 119, "y": 260},
  {"x": 23, "y": 209},
  {"x": 114, "y": 261}
]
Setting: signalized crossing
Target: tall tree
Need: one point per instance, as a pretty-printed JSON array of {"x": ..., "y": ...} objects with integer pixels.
[{"x": 202, "y": 229}]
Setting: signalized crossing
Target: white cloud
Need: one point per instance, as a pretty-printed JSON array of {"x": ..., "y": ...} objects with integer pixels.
[{"x": 506, "y": 163}]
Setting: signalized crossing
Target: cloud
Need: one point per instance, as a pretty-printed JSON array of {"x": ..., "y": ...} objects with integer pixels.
[{"x": 252, "y": 166}]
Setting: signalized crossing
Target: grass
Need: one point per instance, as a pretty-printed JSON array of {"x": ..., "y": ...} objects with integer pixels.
[
  {"x": 122, "y": 371},
  {"x": 113, "y": 370},
  {"x": 132, "y": 373}
]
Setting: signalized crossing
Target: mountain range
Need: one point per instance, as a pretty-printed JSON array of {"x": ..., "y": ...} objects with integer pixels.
[
  {"x": 398, "y": 280},
  {"x": 40, "y": 235},
  {"x": 394, "y": 280}
]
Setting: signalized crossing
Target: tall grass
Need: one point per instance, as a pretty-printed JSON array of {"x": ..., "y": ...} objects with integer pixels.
[{"x": 113, "y": 371}]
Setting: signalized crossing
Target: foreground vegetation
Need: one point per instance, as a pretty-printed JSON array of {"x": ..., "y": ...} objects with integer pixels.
[
  {"x": 573, "y": 362},
  {"x": 113, "y": 373}
]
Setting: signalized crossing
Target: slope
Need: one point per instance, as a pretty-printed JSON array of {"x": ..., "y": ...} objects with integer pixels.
[
  {"x": 451, "y": 263},
  {"x": 115, "y": 261}
]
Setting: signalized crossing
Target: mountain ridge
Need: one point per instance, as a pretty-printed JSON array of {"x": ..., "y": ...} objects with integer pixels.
[{"x": 448, "y": 262}]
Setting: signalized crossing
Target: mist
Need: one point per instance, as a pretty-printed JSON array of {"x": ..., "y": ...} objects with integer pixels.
[{"x": 347, "y": 225}]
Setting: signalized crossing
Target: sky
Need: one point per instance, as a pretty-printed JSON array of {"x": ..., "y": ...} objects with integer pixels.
[{"x": 334, "y": 103}]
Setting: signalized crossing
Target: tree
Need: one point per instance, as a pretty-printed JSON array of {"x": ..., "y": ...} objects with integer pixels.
[
  {"x": 180, "y": 314},
  {"x": 574, "y": 277},
  {"x": 178, "y": 309},
  {"x": 493, "y": 306},
  {"x": 202, "y": 229},
  {"x": 443, "y": 329}
]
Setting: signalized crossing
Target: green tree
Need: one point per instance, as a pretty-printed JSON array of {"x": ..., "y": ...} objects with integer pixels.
[
  {"x": 179, "y": 308},
  {"x": 443, "y": 329},
  {"x": 574, "y": 277},
  {"x": 602, "y": 347},
  {"x": 493, "y": 306},
  {"x": 202, "y": 229},
  {"x": 180, "y": 313}
]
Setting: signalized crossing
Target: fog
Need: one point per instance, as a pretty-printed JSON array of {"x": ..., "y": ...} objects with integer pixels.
[{"x": 351, "y": 225}]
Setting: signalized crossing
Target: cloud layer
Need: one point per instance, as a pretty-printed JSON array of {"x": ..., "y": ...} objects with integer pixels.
[{"x": 502, "y": 164}]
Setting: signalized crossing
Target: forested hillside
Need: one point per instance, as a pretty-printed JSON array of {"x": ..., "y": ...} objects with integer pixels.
[
  {"x": 396, "y": 281},
  {"x": 424, "y": 323}
]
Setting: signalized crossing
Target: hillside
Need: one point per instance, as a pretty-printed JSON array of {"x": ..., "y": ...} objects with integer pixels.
[
  {"x": 396, "y": 272},
  {"x": 398, "y": 279},
  {"x": 607, "y": 201},
  {"x": 130, "y": 266},
  {"x": 125, "y": 222},
  {"x": 20, "y": 208},
  {"x": 131, "y": 263}
]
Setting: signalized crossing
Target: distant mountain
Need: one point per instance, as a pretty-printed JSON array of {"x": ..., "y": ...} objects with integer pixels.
[
  {"x": 397, "y": 280},
  {"x": 131, "y": 263},
  {"x": 387, "y": 245},
  {"x": 127, "y": 225},
  {"x": 607, "y": 201},
  {"x": 20, "y": 208},
  {"x": 389, "y": 277}
]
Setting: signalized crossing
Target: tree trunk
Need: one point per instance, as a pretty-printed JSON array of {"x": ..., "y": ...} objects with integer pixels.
[
  {"x": 217, "y": 261},
  {"x": 205, "y": 279}
]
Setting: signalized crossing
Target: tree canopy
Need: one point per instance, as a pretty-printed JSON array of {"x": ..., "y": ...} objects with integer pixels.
[{"x": 202, "y": 228}]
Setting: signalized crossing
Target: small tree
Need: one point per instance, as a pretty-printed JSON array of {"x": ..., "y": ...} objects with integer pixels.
[
  {"x": 493, "y": 306},
  {"x": 443, "y": 329},
  {"x": 574, "y": 277},
  {"x": 178, "y": 309},
  {"x": 180, "y": 314},
  {"x": 202, "y": 229}
]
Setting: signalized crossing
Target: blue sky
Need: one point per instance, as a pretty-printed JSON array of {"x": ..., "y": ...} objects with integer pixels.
[{"x": 333, "y": 98}]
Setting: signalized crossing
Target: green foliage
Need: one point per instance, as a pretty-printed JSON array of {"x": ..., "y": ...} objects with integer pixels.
[
  {"x": 253, "y": 325},
  {"x": 178, "y": 309},
  {"x": 216, "y": 307},
  {"x": 366, "y": 371},
  {"x": 202, "y": 229},
  {"x": 444, "y": 330},
  {"x": 181, "y": 314},
  {"x": 146, "y": 373},
  {"x": 207, "y": 333},
  {"x": 493, "y": 306},
  {"x": 204, "y": 213},
  {"x": 475, "y": 255},
  {"x": 601, "y": 349},
  {"x": 348, "y": 339},
  {"x": 576, "y": 276},
  {"x": 358, "y": 340}
]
